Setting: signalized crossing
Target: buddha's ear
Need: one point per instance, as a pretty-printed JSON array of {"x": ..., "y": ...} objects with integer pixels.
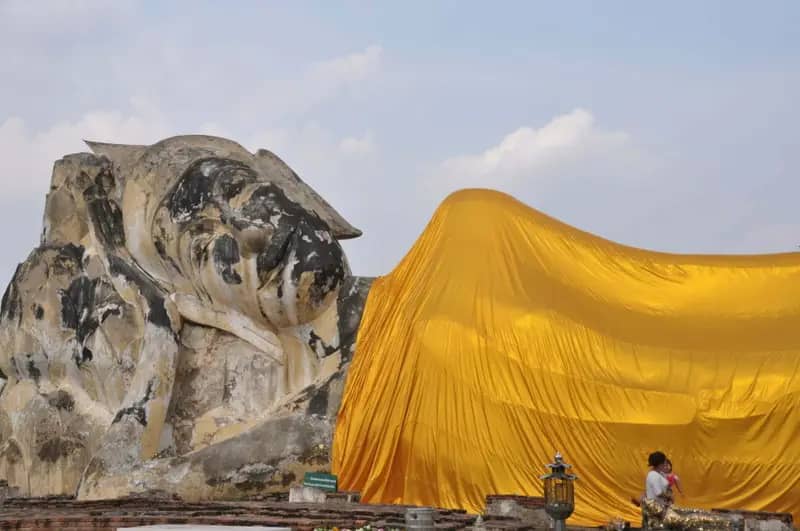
[{"x": 123, "y": 156}]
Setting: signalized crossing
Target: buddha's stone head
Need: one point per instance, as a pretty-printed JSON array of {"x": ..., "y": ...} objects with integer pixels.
[{"x": 235, "y": 231}]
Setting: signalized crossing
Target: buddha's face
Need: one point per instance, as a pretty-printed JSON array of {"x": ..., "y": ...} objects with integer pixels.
[{"x": 234, "y": 240}]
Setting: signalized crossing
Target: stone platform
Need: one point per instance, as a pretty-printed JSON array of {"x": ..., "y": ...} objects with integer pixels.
[
  {"x": 191, "y": 527},
  {"x": 66, "y": 514}
]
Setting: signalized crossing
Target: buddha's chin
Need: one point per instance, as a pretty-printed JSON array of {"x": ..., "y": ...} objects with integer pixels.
[{"x": 287, "y": 304}]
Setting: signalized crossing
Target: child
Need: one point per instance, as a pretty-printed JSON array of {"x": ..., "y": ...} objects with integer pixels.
[{"x": 672, "y": 478}]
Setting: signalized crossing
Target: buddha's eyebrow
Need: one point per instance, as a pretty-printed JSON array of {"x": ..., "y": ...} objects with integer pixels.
[{"x": 204, "y": 181}]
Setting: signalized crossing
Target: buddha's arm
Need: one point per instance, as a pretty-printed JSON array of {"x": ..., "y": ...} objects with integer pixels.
[
  {"x": 269, "y": 456},
  {"x": 135, "y": 431}
]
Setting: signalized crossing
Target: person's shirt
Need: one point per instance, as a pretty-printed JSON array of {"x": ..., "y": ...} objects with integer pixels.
[{"x": 655, "y": 485}]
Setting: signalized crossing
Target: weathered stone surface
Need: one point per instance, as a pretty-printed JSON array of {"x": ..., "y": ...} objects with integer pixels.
[
  {"x": 528, "y": 510},
  {"x": 185, "y": 326},
  {"x": 761, "y": 520},
  {"x": 301, "y": 494},
  {"x": 62, "y": 513}
]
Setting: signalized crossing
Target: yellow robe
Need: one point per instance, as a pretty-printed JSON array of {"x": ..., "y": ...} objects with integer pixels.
[{"x": 505, "y": 335}]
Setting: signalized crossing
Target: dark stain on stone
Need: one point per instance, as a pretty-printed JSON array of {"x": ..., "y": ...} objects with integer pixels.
[
  {"x": 12, "y": 453},
  {"x": 106, "y": 217},
  {"x": 199, "y": 252},
  {"x": 195, "y": 188},
  {"x": 318, "y": 405},
  {"x": 61, "y": 399},
  {"x": 9, "y": 308},
  {"x": 162, "y": 251},
  {"x": 319, "y": 253},
  {"x": 318, "y": 345},
  {"x": 68, "y": 260},
  {"x": 105, "y": 179},
  {"x": 111, "y": 310},
  {"x": 38, "y": 312},
  {"x": 157, "y": 312},
  {"x": 226, "y": 256},
  {"x": 137, "y": 410},
  {"x": 86, "y": 355},
  {"x": 268, "y": 201},
  {"x": 77, "y": 305},
  {"x": 54, "y": 449},
  {"x": 3, "y": 375},
  {"x": 275, "y": 253},
  {"x": 231, "y": 184},
  {"x": 227, "y": 390},
  {"x": 350, "y": 305},
  {"x": 33, "y": 371}
]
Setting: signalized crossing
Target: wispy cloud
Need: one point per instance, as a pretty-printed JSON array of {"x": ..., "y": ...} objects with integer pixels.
[
  {"x": 357, "y": 146},
  {"x": 565, "y": 143},
  {"x": 319, "y": 83},
  {"x": 29, "y": 154},
  {"x": 350, "y": 68},
  {"x": 53, "y": 15}
]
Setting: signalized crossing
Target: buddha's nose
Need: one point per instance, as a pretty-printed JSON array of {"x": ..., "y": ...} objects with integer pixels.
[{"x": 253, "y": 240}]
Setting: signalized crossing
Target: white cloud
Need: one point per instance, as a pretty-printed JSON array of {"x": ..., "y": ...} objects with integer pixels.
[
  {"x": 357, "y": 146},
  {"x": 567, "y": 143},
  {"x": 28, "y": 155},
  {"x": 29, "y": 19},
  {"x": 349, "y": 68},
  {"x": 319, "y": 83}
]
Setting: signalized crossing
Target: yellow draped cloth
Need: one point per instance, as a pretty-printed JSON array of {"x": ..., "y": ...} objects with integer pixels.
[{"x": 505, "y": 335}]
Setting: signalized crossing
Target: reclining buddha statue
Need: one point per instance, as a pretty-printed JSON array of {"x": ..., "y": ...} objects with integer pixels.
[
  {"x": 187, "y": 325},
  {"x": 184, "y": 326}
]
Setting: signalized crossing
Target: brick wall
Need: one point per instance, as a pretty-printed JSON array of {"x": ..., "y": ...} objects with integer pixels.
[{"x": 40, "y": 514}]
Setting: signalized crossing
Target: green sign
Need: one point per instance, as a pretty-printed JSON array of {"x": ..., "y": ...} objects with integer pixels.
[{"x": 321, "y": 480}]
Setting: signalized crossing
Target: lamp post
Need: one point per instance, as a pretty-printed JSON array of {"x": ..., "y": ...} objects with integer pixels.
[{"x": 559, "y": 492}]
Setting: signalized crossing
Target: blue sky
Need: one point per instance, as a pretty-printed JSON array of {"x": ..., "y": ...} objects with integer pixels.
[{"x": 669, "y": 126}]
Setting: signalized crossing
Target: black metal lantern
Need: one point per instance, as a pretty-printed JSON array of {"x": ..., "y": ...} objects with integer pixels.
[{"x": 559, "y": 492}]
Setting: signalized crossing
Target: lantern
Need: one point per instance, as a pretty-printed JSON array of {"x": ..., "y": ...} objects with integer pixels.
[{"x": 559, "y": 492}]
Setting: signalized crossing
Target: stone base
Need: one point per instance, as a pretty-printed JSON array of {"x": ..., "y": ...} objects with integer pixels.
[
  {"x": 315, "y": 495},
  {"x": 343, "y": 497},
  {"x": 6, "y": 491},
  {"x": 180, "y": 527},
  {"x": 762, "y": 520},
  {"x": 60, "y": 513},
  {"x": 307, "y": 495},
  {"x": 526, "y": 509}
]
